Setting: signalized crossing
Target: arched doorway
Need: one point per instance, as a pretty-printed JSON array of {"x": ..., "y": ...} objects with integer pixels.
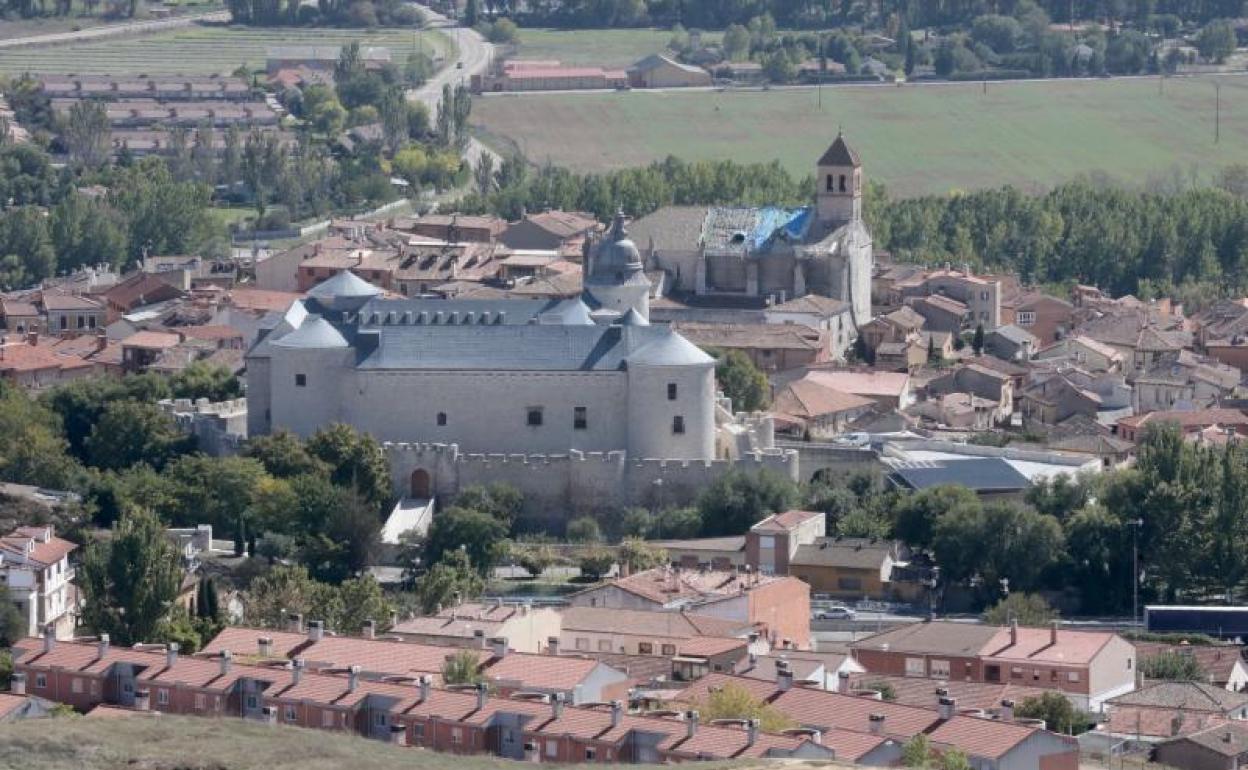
[{"x": 421, "y": 484}]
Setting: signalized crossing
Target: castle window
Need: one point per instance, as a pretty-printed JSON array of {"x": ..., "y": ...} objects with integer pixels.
[
  {"x": 580, "y": 418},
  {"x": 301, "y": 380},
  {"x": 831, "y": 186},
  {"x": 534, "y": 416},
  {"x": 671, "y": 391},
  {"x": 678, "y": 424},
  {"x": 842, "y": 183},
  {"x": 441, "y": 418}
]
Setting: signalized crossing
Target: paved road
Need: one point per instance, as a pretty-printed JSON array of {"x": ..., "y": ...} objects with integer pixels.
[
  {"x": 473, "y": 56},
  {"x": 112, "y": 30}
]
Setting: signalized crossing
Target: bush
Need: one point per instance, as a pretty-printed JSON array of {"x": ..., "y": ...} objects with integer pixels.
[
  {"x": 596, "y": 562},
  {"x": 584, "y": 530}
]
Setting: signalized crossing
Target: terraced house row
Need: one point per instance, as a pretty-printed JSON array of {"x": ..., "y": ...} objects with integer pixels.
[{"x": 537, "y": 708}]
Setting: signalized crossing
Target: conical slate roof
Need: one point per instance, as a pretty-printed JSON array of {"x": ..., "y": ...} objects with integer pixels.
[
  {"x": 346, "y": 285},
  {"x": 315, "y": 333},
  {"x": 840, "y": 154},
  {"x": 633, "y": 318},
  {"x": 671, "y": 349}
]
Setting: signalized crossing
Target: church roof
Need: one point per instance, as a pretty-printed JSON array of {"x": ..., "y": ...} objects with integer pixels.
[
  {"x": 840, "y": 154},
  {"x": 315, "y": 332}
]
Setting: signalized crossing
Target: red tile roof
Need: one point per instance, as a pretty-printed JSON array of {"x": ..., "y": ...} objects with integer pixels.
[
  {"x": 547, "y": 672},
  {"x": 261, "y": 299},
  {"x": 783, "y": 522},
  {"x": 982, "y": 737},
  {"x": 1036, "y": 644},
  {"x": 10, "y": 703},
  {"x": 151, "y": 339}
]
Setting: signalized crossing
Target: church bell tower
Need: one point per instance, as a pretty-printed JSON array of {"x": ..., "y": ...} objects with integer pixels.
[{"x": 838, "y": 178}]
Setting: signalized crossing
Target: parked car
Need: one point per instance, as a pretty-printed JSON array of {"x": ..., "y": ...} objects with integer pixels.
[{"x": 835, "y": 613}]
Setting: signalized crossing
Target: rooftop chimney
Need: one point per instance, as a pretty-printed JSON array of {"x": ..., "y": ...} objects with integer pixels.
[
  {"x": 370, "y": 629},
  {"x": 171, "y": 654},
  {"x": 294, "y": 622},
  {"x": 316, "y": 630},
  {"x": 264, "y": 646},
  {"x": 102, "y": 647},
  {"x": 353, "y": 678},
  {"x": 784, "y": 677},
  {"x": 398, "y": 735},
  {"x": 17, "y": 684},
  {"x": 142, "y": 700},
  {"x": 691, "y": 723},
  {"x": 751, "y": 729},
  {"x": 101, "y": 341},
  {"x": 617, "y": 712},
  {"x": 946, "y": 707},
  {"x": 1013, "y": 632},
  {"x": 1007, "y": 710},
  {"x": 499, "y": 646},
  {"x": 49, "y": 637},
  {"x": 483, "y": 692},
  {"x": 479, "y": 636},
  {"x": 296, "y": 671},
  {"x": 842, "y": 681},
  {"x": 875, "y": 723},
  {"x": 227, "y": 658},
  {"x": 556, "y": 705},
  {"x": 552, "y": 645},
  {"x": 1053, "y": 631},
  {"x": 426, "y": 683}
]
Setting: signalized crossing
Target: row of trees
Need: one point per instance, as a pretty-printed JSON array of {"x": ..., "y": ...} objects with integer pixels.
[{"x": 339, "y": 13}]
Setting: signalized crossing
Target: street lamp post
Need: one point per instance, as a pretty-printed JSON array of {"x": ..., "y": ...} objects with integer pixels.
[{"x": 1136, "y": 525}]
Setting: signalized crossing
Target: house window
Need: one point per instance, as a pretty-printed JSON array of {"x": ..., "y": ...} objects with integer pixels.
[
  {"x": 441, "y": 418},
  {"x": 678, "y": 424},
  {"x": 82, "y": 322},
  {"x": 91, "y": 322},
  {"x": 604, "y": 645},
  {"x": 252, "y": 702},
  {"x": 669, "y": 649},
  {"x": 831, "y": 185},
  {"x": 645, "y": 648},
  {"x": 457, "y": 735},
  {"x": 915, "y": 667},
  {"x": 301, "y": 380},
  {"x": 418, "y": 730},
  {"x": 1073, "y": 676},
  {"x": 580, "y": 418},
  {"x": 671, "y": 391},
  {"x": 200, "y": 702},
  {"x": 552, "y": 748},
  {"x": 379, "y": 719},
  {"x": 64, "y": 323},
  {"x": 1016, "y": 672},
  {"x": 41, "y": 681},
  {"x": 291, "y": 715},
  {"x": 590, "y": 753},
  {"x": 1026, "y": 318},
  {"x": 75, "y": 685},
  {"x": 534, "y": 417},
  {"x": 162, "y": 697},
  {"x": 582, "y": 643},
  {"x": 940, "y": 669},
  {"x": 327, "y": 718},
  {"x": 849, "y": 583}
]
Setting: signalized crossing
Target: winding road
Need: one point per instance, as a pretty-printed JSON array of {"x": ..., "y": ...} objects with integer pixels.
[{"x": 112, "y": 30}]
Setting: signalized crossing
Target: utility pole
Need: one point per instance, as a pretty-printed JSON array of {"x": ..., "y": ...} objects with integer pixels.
[
  {"x": 1217, "y": 110},
  {"x": 1135, "y": 570}
]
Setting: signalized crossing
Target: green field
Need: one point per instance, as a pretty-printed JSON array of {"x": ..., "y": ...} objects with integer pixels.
[
  {"x": 917, "y": 139},
  {"x": 590, "y": 47},
  {"x": 202, "y": 50}
]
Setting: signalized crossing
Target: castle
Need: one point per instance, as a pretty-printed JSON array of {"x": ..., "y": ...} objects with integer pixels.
[{"x": 580, "y": 403}]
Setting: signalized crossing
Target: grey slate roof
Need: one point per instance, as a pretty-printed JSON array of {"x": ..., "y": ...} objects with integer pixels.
[
  {"x": 1015, "y": 334},
  {"x": 315, "y": 333},
  {"x": 671, "y": 228},
  {"x": 989, "y": 474},
  {"x": 1190, "y": 696},
  {"x": 345, "y": 284},
  {"x": 848, "y": 552},
  {"x": 840, "y": 154}
]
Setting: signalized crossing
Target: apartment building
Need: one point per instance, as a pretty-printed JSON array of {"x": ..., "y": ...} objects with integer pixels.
[{"x": 34, "y": 565}]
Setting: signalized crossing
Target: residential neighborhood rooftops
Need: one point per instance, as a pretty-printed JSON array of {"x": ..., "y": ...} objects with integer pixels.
[
  {"x": 937, "y": 637},
  {"x": 675, "y": 624},
  {"x": 1188, "y": 696},
  {"x": 848, "y": 552},
  {"x": 783, "y": 522}
]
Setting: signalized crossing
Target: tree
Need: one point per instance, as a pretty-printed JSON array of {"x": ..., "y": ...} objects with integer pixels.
[
  {"x": 284, "y": 455},
  {"x": 32, "y": 450},
  {"x": 738, "y": 500},
  {"x": 954, "y": 759},
  {"x": 917, "y": 752},
  {"x": 736, "y": 43},
  {"x": 289, "y": 589},
  {"x": 362, "y": 601},
  {"x": 742, "y": 382},
  {"x": 584, "y": 530},
  {"x": 917, "y": 514},
  {"x": 355, "y": 460},
  {"x": 1054, "y": 708},
  {"x": 499, "y": 499},
  {"x": 200, "y": 379},
  {"x": 596, "y": 562},
  {"x": 462, "y": 668},
  {"x": 129, "y": 582},
  {"x": 1025, "y": 609},
  {"x": 535, "y": 559},
  {"x": 86, "y": 133},
  {"x": 454, "y": 577},
  {"x": 732, "y": 701},
  {"x": 1172, "y": 666},
  {"x": 472, "y": 13},
  {"x": 129, "y": 433},
  {"x": 1216, "y": 41},
  {"x": 977, "y": 342},
  {"x": 212, "y": 490},
  {"x": 478, "y": 534},
  {"x": 166, "y": 215},
  {"x": 640, "y": 555},
  {"x": 12, "y": 623}
]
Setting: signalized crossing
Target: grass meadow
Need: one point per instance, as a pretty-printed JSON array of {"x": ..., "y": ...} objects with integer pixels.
[
  {"x": 610, "y": 48},
  {"x": 917, "y": 139},
  {"x": 203, "y": 50}
]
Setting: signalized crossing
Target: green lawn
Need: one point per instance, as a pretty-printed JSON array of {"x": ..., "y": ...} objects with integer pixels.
[
  {"x": 917, "y": 139},
  {"x": 201, "y": 50},
  {"x": 590, "y": 47}
]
